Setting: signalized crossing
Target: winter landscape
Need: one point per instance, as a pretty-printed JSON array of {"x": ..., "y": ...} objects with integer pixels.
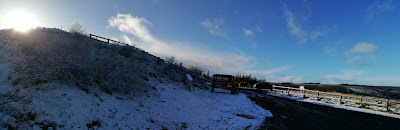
[
  {"x": 199, "y": 65},
  {"x": 47, "y": 81}
]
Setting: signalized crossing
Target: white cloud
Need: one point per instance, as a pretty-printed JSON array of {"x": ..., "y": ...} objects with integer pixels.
[
  {"x": 190, "y": 54},
  {"x": 362, "y": 53},
  {"x": 127, "y": 40},
  {"x": 379, "y": 6},
  {"x": 364, "y": 48},
  {"x": 360, "y": 77},
  {"x": 295, "y": 26},
  {"x": 353, "y": 59},
  {"x": 248, "y": 32},
  {"x": 213, "y": 27},
  {"x": 138, "y": 27}
]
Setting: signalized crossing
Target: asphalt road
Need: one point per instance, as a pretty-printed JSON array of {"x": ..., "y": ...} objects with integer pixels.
[{"x": 295, "y": 115}]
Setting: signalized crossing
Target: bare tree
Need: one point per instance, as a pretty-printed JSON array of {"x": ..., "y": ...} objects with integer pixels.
[
  {"x": 77, "y": 27},
  {"x": 196, "y": 70},
  {"x": 171, "y": 60}
]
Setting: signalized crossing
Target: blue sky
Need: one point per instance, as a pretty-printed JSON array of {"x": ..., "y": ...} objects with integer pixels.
[{"x": 323, "y": 41}]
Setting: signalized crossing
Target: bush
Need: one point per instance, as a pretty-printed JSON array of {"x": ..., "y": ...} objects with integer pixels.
[
  {"x": 171, "y": 60},
  {"x": 76, "y": 27},
  {"x": 196, "y": 70}
]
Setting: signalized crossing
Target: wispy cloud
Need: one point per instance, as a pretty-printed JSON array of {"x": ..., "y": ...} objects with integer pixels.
[
  {"x": 360, "y": 77},
  {"x": 316, "y": 34},
  {"x": 214, "y": 27},
  {"x": 138, "y": 27},
  {"x": 295, "y": 25},
  {"x": 294, "y": 28},
  {"x": 363, "y": 48},
  {"x": 189, "y": 53},
  {"x": 362, "y": 53},
  {"x": 331, "y": 48},
  {"x": 250, "y": 37},
  {"x": 186, "y": 52},
  {"x": 379, "y": 6},
  {"x": 127, "y": 40},
  {"x": 248, "y": 32},
  {"x": 258, "y": 28}
]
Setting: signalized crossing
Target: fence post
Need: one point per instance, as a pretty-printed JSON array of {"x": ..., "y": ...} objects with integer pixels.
[
  {"x": 317, "y": 94},
  {"x": 340, "y": 99},
  {"x": 387, "y": 105}
]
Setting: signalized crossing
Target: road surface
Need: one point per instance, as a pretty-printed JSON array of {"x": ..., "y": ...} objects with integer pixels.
[{"x": 295, "y": 115}]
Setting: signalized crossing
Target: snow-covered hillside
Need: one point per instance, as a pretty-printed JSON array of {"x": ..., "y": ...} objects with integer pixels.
[{"x": 50, "y": 78}]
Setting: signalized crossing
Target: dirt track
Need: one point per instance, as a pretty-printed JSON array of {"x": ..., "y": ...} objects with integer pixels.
[{"x": 290, "y": 114}]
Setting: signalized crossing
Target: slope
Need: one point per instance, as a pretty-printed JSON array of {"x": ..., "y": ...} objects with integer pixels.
[{"x": 54, "y": 79}]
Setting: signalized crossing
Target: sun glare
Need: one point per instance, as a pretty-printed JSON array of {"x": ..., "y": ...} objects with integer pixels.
[{"x": 19, "y": 20}]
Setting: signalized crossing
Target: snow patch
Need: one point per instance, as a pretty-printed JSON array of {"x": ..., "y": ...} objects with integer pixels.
[
  {"x": 189, "y": 77},
  {"x": 173, "y": 108}
]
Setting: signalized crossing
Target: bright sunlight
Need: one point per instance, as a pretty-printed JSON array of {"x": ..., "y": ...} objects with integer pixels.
[{"x": 19, "y": 20}]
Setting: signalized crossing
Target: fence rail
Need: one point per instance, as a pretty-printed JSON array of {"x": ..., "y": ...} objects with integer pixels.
[
  {"x": 378, "y": 104},
  {"x": 107, "y": 40}
]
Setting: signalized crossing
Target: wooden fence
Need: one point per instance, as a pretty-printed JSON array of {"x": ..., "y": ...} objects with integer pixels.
[
  {"x": 106, "y": 40},
  {"x": 380, "y": 104}
]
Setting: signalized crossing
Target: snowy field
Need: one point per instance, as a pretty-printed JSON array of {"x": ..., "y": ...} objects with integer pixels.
[
  {"x": 171, "y": 107},
  {"x": 323, "y": 102}
]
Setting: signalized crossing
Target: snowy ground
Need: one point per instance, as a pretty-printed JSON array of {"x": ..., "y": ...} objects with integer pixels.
[
  {"x": 171, "y": 107},
  {"x": 339, "y": 106}
]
